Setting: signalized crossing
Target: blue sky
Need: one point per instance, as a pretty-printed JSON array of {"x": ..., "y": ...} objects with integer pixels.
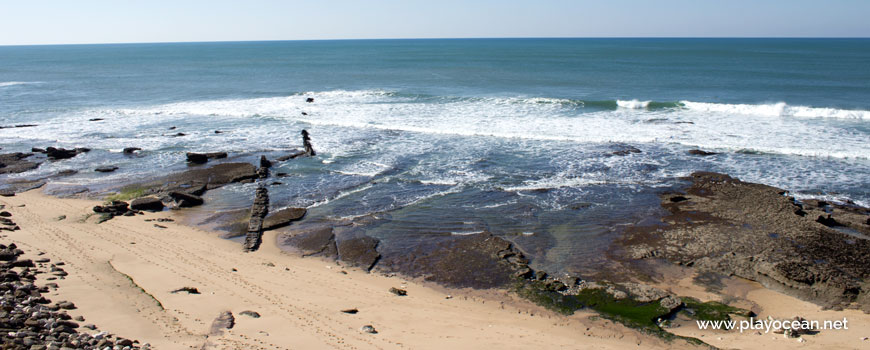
[{"x": 104, "y": 21}]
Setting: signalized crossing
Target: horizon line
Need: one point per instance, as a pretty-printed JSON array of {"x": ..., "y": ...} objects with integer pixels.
[{"x": 437, "y": 38}]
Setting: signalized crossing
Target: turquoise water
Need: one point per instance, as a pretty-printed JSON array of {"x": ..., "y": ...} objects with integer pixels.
[{"x": 446, "y": 137}]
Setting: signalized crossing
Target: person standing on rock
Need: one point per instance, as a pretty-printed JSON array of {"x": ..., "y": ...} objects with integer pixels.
[{"x": 306, "y": 142}]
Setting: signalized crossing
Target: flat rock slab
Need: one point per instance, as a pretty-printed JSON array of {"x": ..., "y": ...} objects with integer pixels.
[
  {"x": 283, "y": 218},
  {"x": 320, "y": 241},
  {"x": 461, "y": 261},
  {"x": 11, "y": 163},
  {"x": 191, "y": 181},
  {"x": 359, "y": 251}
]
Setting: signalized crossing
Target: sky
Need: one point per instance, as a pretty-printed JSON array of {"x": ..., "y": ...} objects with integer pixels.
[{"x": 29, "y": 22}]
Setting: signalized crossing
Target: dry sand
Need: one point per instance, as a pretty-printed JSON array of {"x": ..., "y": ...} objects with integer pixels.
[{"x": 122, "y": 273}]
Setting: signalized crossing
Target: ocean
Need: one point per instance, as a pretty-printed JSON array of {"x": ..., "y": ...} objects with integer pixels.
[{"x": 431, "y": 138}]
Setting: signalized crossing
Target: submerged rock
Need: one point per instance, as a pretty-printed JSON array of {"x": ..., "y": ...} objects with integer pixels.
[{"x": 697, "y": 152}]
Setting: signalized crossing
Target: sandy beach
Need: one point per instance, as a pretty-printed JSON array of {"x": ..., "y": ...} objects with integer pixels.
[
  {"x": 122, "y": 273},
  {"x": 299, "y": 299}
]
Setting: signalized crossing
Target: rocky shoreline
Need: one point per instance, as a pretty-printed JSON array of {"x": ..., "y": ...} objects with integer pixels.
[{"x": 814, "y": 250}]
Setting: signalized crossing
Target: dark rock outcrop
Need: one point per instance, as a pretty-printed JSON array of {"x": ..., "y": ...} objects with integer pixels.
[
  {"x": 202, "y": 158},
  {"x": 62, "y": 153},
  {"x": 11, "y": 163},
  {"x": 258, "y": 213},
  {"x": 264, "y": 162},
  {"x": 131, "y": 150},
  {"x": 757, "y": 232},
  {"x": 306, "y": 144}
]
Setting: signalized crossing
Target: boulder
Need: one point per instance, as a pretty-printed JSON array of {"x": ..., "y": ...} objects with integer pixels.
[
  {"x": 282, "y": 218},
  {"x": 131, "y": 150},
  {"x": 147, "y": 203},
  {"x": 60, "y": 153}
]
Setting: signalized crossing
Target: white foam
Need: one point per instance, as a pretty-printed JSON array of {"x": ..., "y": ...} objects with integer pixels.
[
  {"x": 633, "y": 104},
  {"x": 254, "y": 125},
  {"x": 14, "y": 83},
  {"x": 780, "y": 109},
  {"x": 466, "y": 233}
]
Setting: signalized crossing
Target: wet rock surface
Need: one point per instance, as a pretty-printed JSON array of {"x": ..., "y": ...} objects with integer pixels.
[
  {"x": 29, "y": 320},
  {"x": 11, "y": 163},
  {"x": 758, "y": 232},
  {"x": 283, "y": 218},
  {"x": 359, "y": 251},
  {"x": 478, "y": 261},
  {"x": 196, "y": 181}
]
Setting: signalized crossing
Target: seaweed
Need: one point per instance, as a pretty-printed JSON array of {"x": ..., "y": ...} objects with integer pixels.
[
  {"x": 711, "y": 310},
  {"x": 127, "y": 193},
  {"x": 648, "y": 317}
]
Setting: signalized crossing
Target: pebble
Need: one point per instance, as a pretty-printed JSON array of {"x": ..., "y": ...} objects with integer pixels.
[{"x": 31, "y": 321}]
